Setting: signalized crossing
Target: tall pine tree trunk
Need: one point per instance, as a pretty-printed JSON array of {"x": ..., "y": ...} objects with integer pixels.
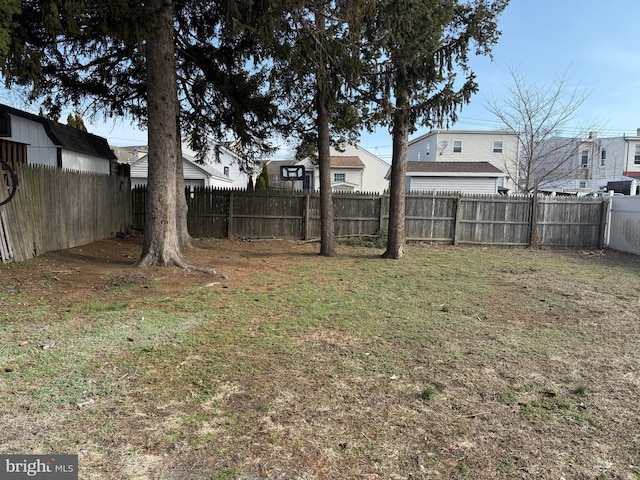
[
  {"x": 161, "y": 241},
  {"x": 400, "y": 140},
  {"x": 327, "y": 230}
]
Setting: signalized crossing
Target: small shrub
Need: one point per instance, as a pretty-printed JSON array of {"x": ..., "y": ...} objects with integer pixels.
[
  {"x": 428, "y": 393},
  {"x": 580, "y": 390},
  {"x": 372, "y": 241}
]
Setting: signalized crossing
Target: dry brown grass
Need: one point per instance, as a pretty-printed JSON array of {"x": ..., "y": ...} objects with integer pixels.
[{"x": 451, "y": 363}]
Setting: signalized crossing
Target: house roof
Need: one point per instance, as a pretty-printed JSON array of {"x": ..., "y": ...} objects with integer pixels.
[
  {"x": 67, "y": 137},
  {"x": 130, "y": 155},
  {"x": 453, "y": 168},
  {"x": 346, "y": 162}
]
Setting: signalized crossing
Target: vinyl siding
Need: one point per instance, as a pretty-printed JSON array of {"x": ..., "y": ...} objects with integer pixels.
[{"x": 453, "y": 184}]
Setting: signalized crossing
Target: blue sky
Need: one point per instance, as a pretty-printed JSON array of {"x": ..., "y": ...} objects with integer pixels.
[{"x": 594, "y": 44}]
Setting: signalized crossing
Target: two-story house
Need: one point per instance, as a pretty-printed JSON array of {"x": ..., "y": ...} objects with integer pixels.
[
  {"x": 496, "y": 147},
  {"x": 595, "y": 161}
]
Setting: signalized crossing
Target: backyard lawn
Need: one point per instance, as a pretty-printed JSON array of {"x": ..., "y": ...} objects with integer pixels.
[{"x": 453, "y": 362}]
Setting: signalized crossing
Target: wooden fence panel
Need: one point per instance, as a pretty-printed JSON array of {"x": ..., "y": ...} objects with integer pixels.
[
  {"x": 208, "y": 212},
  {"x": 430, "y": 217},
  {"x": 356, "y": 214},
  {"x": 267, "y": 215},
  {"x": 438, "y": 217},
  {"x": 491, "y": 220},
  {"x": 57, "y": 209},
  {"x": 570, "y": 222},
  {"x": 138, "y": 201},
  {"x": 312, "y": 217}
]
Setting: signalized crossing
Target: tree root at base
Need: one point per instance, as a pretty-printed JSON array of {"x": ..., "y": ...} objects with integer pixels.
[{"x": 151, "y": 260}]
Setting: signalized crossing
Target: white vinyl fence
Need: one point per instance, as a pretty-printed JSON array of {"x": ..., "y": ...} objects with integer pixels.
[{"x": 623, "y": 231}]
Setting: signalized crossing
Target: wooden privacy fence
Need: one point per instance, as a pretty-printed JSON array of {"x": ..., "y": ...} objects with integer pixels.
[
  {"x": 437, "y": 217},
  {"x": 56, "y": 209}
]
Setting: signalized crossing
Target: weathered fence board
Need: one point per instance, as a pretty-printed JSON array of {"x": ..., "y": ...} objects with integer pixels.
[
  {"x": 6, "y": 245},
  {"x": 570, "y": 222},
  {"x": 430, "y": 217},
  {"x": 56, "y": 209},
  {"x": 490, "y": 220},
  {"x": 435, "y": 217}
]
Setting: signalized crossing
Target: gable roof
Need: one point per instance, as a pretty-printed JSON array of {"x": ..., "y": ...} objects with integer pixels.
[
  {"x": 130, "y": 155},
  {"x": 346, "y": 162},
  {"x": 67, "y": 137}
]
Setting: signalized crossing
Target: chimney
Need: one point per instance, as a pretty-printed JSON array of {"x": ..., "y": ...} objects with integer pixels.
[
  {"x": 593, "y": 135},
  {"x": 638, "y": 132}
]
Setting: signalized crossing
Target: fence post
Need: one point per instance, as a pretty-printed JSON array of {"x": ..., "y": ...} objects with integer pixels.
[
  {"x": 381, "y": 215},
  {"x": 533, "y": 239},
  {"x": 230, "y": 217},
  {"x": 456, "y": 222},
  {"x": 307, "y": 213}
]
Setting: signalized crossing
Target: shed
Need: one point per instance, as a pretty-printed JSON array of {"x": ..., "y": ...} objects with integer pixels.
[{"x": 54, "y": 144}]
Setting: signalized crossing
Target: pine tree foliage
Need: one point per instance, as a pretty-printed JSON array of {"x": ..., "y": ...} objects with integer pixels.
[
  {"x": 69, "y": 51},
  {"x": 316, "y": 54},
  {"x": 262, "y": 182},
  {"x": 75, "y": 120},
  {"x": 418, "y": 74}
]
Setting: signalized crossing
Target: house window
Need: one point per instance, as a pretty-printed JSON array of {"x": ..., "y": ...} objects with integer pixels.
[
  {"x": 584, "y": 158},
  {"x": 603, "y": 157},
  {"x": 497, "y": 146},
  {"x": 457, "y": 146},
  {"x": 428, "y": 148},
  {"x": 583, "y": 184},
  {"x": 338, "y": 177},
  {"x": 5, "y": 125},
  {"x": 636, "y": 158},
  {"x": 226, "y": 171},
  {"x": 419, "y": 155}
]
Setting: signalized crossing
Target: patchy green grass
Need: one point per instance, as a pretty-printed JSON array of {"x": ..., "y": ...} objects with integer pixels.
[{"x": 449, "y": 363}]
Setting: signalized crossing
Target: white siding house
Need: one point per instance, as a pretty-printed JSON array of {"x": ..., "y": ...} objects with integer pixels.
[
  {"x": 224, "y": 171},
  {"x": 195, "y": 175},
  {"x": 497, "y": 147},
  {"x": 54, "y": 144},
  {"x": 231, "y": 165},
  {"x": 353, "y": 169}
]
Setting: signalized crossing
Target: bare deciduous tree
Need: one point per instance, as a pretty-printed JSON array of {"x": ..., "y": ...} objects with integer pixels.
[{"x": 540, "y": 115}]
